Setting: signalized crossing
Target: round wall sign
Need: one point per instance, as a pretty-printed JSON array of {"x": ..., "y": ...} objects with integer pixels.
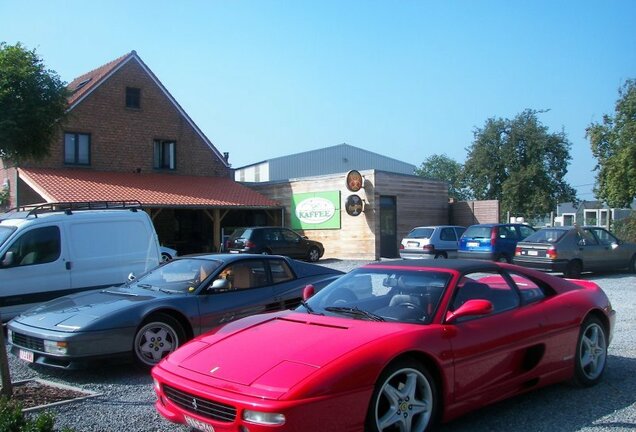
[
  {"x": 354, "y": 205},
  {"x": 354, "y": 181}
]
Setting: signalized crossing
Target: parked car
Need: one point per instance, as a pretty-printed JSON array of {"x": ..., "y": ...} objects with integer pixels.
[
  {"x": 440, "y": 241},
  {"x": 153, "y": 315},
  {"x": 54, "y": 249},
  {"x": 274, "y": 240},
  {"x": 391, "y": 346},
  {"x": 495, "y": 242},
  {"x": 167, "y": 253},
  {"x": 570, "y": 250}
]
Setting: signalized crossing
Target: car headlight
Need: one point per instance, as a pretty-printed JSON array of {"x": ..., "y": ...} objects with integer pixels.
[
  {"x": 157, "y": 384},
  {"x": 55, "y": 347},
  {"x": 263, "y": 418},
  {"x": 9, "y": 336}
]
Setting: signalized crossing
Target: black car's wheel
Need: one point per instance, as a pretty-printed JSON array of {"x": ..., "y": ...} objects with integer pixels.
[
  {"x": 573, "y": 269},
  {"x": 404, "y": 399},
  {"x": 314, "y": 254},
  {"x": 591, "y": 353},
  {"x": 266, "y": 252},
  {"x": 158, "y": 336},
  {"x": 632, "y": 265}
]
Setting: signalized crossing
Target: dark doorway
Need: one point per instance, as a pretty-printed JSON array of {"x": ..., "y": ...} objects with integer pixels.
[{"x": 388, "y": 227}]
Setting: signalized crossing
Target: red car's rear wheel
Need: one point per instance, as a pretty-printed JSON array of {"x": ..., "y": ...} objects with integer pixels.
[
  {"x": 591, "y": 353},
  {"x": 404, "y": 399}
]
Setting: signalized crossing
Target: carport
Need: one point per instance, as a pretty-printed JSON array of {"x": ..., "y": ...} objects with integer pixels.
[{"x": 190, "y": 213}]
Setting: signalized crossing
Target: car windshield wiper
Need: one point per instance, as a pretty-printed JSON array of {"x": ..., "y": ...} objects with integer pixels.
[
  {"x": 310, "y": 310},
  {"x": 144, "y": 286},
  {"x": 354, "y": 311}
]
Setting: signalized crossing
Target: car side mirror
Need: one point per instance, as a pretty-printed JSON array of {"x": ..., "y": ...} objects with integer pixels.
[
  {"x": 308, "y": 292},
  {"x": 220, "y": 285},
  {"x": 8, "y": 259},
  {"x": 471, "y": 308}
]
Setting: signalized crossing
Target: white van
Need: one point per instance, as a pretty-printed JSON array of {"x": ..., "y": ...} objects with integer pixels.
[{"x": 51, "y": 250}]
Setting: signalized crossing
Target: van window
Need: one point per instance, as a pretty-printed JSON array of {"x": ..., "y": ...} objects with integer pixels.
[
  {"x": 5, "y": 232},
  {"x": 37, "y": 246}
]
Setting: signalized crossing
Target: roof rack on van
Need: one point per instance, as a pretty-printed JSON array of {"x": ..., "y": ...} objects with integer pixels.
[{"x": 70, "y": 207}]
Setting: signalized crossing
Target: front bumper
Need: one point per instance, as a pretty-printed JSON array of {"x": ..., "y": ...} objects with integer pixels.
[
  {"x": 83, "y": 347},
  {"x": 342, "y": 412}
]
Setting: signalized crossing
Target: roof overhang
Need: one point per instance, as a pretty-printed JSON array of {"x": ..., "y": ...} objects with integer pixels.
[{"x": 151, "y": 189}]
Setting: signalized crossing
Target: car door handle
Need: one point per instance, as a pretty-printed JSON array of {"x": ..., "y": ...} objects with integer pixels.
[{"x": 68, "y": 265}]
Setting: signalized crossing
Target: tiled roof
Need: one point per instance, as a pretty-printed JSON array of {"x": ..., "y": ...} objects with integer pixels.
[
  {"x": 151, "y": 189},
  {"x": 82, "y": 85}
]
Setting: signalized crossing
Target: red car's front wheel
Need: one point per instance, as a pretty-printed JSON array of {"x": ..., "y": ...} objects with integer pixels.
[{"x": 404, "y": 399}]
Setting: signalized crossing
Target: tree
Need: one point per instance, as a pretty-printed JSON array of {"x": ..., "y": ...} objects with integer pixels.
[
  {"x": 441, "y": 167},
  {"x": 33, "y": 101},
  {"x": 614, "y": 146},
  {"x": 521, "y": 164}
]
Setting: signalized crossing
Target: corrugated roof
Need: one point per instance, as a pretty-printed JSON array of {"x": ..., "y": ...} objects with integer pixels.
[{"x": 151, "y": 189}]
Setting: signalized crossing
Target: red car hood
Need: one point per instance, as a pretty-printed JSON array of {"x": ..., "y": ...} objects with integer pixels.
[{"x": 268, "y": 358}]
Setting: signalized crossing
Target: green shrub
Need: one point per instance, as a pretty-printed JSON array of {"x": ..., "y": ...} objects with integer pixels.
[
  {"x": 12, "y": 419},
  {"x": 625, "y": 229}
]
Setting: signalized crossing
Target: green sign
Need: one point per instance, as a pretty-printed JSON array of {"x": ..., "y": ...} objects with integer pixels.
[{"x": 316, "y": 210}]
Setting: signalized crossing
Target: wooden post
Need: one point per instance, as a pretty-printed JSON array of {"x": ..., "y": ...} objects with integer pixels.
[{"x": 7, "y": 388}]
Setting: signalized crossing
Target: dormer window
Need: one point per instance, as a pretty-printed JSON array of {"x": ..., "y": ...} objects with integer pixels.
[
  {"x": 133, "y": 97},
  {"x": 82, "y": 84}
]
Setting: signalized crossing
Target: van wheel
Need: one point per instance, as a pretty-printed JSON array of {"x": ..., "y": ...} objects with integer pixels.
[
  {"x": 441, "y": 255},
  {"x": 314, "y": 254},
  {"x": 404, "y": 398},
  {"x": 158, "y": 336},
  {"x": 573, "y": 270}
]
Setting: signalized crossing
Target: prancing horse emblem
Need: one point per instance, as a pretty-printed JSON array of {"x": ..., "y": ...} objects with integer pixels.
[{"x": 194, "y": 404}]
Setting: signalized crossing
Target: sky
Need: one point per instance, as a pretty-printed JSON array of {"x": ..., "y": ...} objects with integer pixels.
[{"x": 402, "y": 78}]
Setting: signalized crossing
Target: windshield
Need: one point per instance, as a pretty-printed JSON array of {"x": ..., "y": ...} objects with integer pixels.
[
  {"x": 379, "y": 294},
  {"x": 423, "y": 233},
  {"x": 546, "y": 236},
  {"x": 180, "y": 275},
  {"x": 5, "y": 232}
]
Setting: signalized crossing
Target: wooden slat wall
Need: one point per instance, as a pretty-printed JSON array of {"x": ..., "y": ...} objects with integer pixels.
[{"x": 419, "y": 202}]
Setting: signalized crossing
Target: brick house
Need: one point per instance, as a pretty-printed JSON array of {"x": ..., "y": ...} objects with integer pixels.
[{"x": 125, "y": 138}]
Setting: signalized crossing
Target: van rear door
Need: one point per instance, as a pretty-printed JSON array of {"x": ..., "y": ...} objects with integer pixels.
[{"x": 33, "y": 269}]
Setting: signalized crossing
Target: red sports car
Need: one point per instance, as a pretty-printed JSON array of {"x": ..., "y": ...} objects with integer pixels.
[{"x": 391, "y": 346}]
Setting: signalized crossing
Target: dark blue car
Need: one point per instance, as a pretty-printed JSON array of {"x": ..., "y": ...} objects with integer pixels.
[{"x": 495, "y": 242}]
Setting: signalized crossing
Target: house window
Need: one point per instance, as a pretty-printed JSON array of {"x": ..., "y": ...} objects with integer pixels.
[
  {"x": 164, "y": 154},
  {"x": 77, "y": 149},
  {"x": 133, "y": 97},
  {"x": 591, "y": 217}
]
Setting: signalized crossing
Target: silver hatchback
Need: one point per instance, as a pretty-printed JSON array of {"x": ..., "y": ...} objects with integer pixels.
[{"x": 439, "y": 241}]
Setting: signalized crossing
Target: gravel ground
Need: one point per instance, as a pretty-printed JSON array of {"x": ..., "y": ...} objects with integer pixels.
[{"x": 127, "y": 398}]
